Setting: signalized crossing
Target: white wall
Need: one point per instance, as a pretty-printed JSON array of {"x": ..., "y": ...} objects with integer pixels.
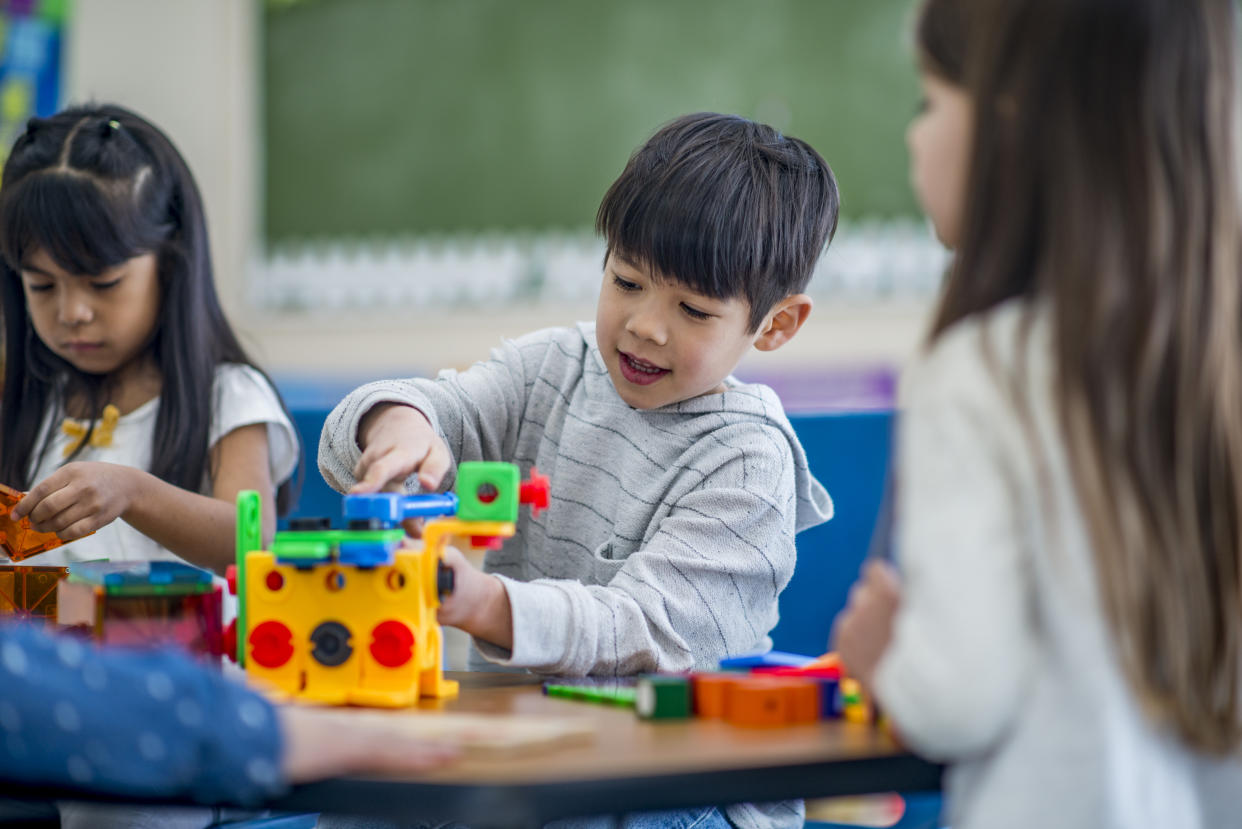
[{"x": 189, "y": 66}]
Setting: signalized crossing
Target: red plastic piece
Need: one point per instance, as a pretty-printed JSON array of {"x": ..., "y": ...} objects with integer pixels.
[
  {"x": 271, "y": 644},
  {"x": 230, "y": 640},
  {"x": 275, "y": 581},
  {"x": 230, "y": 576},
  {"x": 490, "y": 542},
  {"x": 535, "y": 492},
  {"x": 392, "y": 644}
]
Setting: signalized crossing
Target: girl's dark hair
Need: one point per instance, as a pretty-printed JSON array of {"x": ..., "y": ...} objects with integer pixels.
[
  {"x": 1104, "y": 188},
  {"x": 93, "y": 187},
  {"x": 726, "y": 206}
]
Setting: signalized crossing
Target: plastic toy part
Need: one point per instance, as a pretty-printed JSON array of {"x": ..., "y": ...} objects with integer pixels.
[
  {"x": 348, "y": 616},
  {"x": 662, "y": 697},
  {"x": 19, "y": 539},
  {"x": 488, "y": 491},
  {"x": 29, "y": 592},
  {"x": 391, "y": 508},
  {"x": 535, "y": 492},
  {"x": 131, "y": 615}
]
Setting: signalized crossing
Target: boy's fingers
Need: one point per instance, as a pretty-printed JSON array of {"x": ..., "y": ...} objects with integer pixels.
[
  {"x": 434, "y": 466},
  {"x": 378, "y": 474}
]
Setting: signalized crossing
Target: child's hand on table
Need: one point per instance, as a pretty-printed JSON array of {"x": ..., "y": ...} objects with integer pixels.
[{"x": 862, "y": 631}]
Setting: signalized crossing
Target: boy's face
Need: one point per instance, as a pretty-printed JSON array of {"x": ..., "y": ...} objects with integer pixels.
[{"x": 662, "y": 342}]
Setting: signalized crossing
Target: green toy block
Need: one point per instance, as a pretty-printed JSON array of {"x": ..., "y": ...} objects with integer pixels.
[
  {"x": 317, "y": 545},
  {"x": 249, "y": 535},
  {"x": 662, "y": 697},
  {"x": 488, "y": 491}
]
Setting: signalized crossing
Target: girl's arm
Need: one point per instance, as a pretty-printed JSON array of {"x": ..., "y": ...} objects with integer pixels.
[{"x": 80, "y": 498}]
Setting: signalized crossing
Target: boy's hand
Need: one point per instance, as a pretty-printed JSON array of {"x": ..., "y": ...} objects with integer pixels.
[
  {"x": 396, "y": 442},
  {"x": 80, "y": 498},
  {"x": 862, "y": 632},
  {"x": 479, "y": 604}
]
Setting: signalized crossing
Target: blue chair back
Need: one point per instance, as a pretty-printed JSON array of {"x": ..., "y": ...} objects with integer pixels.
[{"x": 849, "y": 453}]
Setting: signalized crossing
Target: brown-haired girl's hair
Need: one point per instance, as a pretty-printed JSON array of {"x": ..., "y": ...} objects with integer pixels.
[{"x": 1104, "y": 185}]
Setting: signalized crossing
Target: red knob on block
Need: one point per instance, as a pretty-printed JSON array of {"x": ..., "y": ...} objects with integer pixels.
[
  {"x": 535, "y": 491},
  {"x": 230, "y": 575},
  {"x": 490, "y": 542},
  {"x": 271, "y": 644},
  {"x": 392, "y": 644}
]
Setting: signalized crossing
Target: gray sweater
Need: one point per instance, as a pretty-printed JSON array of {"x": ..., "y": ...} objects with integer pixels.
[{"x": 670, "y": 532}]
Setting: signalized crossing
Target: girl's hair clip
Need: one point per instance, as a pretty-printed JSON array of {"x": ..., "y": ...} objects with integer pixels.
[{"x": 114, "y": 124}]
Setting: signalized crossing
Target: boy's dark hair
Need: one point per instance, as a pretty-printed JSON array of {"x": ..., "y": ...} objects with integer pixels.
[
  {"x": 93, "y": 187},
  {"x": 726, "y": 206}
]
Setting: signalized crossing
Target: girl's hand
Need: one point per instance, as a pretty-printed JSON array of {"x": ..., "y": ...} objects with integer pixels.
[
  {"x": 322, "y": 743},
  {"x": 80, "y": 498},
  {"x": 396, "y": 442},
  {"x": 862, "y": 632},
  {"x": 479, "y": 603}
]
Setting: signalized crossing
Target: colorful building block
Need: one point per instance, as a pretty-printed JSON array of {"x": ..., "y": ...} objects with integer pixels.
[
  {"x": 767, "y": 702},
  {"x": 143, "y": 603},
  {"x": 20, "y": 540},
  {"x": 662, "y": 697},
  {"x": 29, "y": 591},
  {"x": 349, "y": 616}
]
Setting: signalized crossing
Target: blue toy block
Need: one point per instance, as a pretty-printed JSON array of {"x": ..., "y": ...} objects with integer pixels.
[
  {"x": 139, "y": 576},
  {"x": 391, "y": 508},
  {"x": 367, "y": 553},
  {"x": 382, "y": 506},
  {"x": 770, "y": 659}
]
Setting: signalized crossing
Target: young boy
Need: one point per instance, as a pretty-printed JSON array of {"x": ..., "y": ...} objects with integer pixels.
[{"x": 676, "y": 490}]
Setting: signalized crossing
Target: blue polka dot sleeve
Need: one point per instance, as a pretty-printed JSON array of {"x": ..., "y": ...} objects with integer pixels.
[{"x": 131, "y": 722}]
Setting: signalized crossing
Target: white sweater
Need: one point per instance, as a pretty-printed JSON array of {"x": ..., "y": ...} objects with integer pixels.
[{"x": 1002, "y": 663}]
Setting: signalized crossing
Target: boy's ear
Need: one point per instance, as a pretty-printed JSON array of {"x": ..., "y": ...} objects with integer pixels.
[{"x": 783, "y": 322}]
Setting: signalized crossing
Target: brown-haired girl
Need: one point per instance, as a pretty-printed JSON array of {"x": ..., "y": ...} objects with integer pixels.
[{"x": 1066, "y": 630}]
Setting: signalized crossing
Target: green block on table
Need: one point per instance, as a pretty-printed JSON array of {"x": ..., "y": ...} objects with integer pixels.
[
  {"x": 662, "y": 698},
  {"x": 620, "y": 696},
  {"x": 488, "y": 491}
]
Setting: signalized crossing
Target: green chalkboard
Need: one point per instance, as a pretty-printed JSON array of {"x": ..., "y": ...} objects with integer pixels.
[{"x": 442, "y": 116}]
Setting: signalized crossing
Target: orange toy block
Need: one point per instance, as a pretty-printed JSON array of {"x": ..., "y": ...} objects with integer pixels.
[
  {"x": 711, "y": 693},
  {"x": 29, "y": 592},
  {"x": 19, "y": 539},
  {"x": 769, "y": 702}
]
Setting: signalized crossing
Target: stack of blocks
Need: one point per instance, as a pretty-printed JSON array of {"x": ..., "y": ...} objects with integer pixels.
[
  {"x": 761, "y": 691},
  {"x": 142, "y": 603},
  {"x": 348, "y": 616}
]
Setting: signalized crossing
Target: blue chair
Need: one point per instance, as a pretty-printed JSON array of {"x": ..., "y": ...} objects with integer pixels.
[{"x": 850, "y": 453}]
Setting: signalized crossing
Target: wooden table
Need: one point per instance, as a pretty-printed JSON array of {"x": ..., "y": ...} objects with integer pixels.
[{"x": 632, "y": 766}]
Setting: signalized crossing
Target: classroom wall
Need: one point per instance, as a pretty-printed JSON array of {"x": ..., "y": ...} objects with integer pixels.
[{"x": 194, "y": 67}]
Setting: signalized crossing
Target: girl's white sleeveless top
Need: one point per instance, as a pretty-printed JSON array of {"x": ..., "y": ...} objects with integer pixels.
[{"x": 241, "y": 397}]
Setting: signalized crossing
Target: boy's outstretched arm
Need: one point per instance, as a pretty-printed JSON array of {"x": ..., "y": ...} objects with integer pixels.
[
  {"x": 704, "y": 585},
  {"x": 475, "y": 412}
]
